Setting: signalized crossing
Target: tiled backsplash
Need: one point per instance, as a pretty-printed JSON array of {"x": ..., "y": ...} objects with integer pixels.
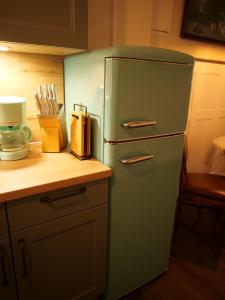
[{"x": 22, "y": 73}]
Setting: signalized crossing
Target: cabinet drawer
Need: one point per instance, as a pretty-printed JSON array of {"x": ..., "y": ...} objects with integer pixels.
[
  {"x": 47, "y": 206},
  {"x": 3, "y": 224}
]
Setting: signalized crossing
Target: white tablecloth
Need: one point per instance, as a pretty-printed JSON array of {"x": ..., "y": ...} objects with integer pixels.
[{"x": 215, "y": 158}]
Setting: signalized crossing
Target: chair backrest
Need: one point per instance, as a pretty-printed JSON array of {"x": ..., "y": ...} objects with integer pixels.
[{"x": 183, "y": 173}]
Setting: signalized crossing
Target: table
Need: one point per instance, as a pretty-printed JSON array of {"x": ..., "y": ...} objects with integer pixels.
[{"x": 215, "y": 158}]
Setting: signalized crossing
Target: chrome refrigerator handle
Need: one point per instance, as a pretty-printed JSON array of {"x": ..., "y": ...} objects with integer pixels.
[
  {"x": 136, "y": 124},
  {"x": 137, "y": 159}
]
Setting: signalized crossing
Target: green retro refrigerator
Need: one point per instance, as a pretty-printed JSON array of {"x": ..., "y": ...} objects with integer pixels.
[{"x": 138, "y": 99}]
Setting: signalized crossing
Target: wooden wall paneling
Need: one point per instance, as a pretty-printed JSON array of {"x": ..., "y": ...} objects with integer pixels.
[{"x": 21, "y": 74}]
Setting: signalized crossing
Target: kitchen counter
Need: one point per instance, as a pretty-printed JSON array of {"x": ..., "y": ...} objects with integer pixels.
[{"x": 42, "y": 172}]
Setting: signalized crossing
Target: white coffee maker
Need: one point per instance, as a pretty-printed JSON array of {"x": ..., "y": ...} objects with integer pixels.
[{"x": 14, "y": 135}]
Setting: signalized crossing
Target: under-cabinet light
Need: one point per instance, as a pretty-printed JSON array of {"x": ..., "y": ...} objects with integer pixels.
[{"x": 3, "y": 48}]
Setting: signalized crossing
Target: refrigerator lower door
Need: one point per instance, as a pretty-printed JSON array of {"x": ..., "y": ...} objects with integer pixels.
[{"x": 143, "y": 194}]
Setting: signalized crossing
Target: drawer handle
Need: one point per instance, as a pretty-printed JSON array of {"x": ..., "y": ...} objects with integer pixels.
[
  {"x": 3, "y": 267},
  {"x": 137, "y": 124},
  {"x": 137, "y": 159},
  {"x": 23, "y": 257},
  {"x": 47, "y": 199}
]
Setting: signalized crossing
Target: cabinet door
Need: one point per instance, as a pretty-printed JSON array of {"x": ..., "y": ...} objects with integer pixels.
[
  {"x": 46, "y": 22},
  {"x": 7, "y": 286},
  {"x": 64, "y": 259},
  {"x": 3, "y": 224}
]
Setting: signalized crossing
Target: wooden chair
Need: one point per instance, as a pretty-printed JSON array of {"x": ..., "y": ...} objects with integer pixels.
[{"x": 201, "y": 190}]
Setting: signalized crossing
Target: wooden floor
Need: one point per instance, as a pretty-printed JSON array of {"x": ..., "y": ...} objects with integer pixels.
[{"x": 196, "y": 270}]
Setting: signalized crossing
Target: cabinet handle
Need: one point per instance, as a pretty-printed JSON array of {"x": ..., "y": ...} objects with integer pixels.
[
  {"x": 3, "y": 267},
  {"x": 47, "y": 199},
  {"x": 136, "y": 124},
  {"x": 23, "y": 257},
  {"x": 137, "y": 159}
]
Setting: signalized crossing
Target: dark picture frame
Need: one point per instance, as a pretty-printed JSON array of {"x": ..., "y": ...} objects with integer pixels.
[{"x": 204, "y": 20}]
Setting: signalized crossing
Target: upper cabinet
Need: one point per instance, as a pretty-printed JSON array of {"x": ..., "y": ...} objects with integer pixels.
[{"x": 61, "y": 23}]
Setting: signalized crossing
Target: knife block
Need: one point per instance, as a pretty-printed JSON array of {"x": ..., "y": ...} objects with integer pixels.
[
  {"x": 53, "y": 131},
  {"x": 80, "y": 134}
]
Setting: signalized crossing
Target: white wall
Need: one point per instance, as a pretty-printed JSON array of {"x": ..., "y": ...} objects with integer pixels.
[
  {"x": 167, "y": 34},
  {"x": 206, "y": 118},
  {"x": 132, "y": 22},
  {"x": 144, "y": 22},
  {"x": 100, "y": 25}
]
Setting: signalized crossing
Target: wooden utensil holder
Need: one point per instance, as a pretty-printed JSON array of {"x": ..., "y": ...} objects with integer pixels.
[{"x": 53, "y": 131}]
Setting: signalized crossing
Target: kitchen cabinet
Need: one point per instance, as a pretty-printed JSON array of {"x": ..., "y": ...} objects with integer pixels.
[
  {"x": 45, "y": 22},
  {"x": 59, "y": 259},
  {"x": 7, "y": 283},
  {"x": 3, "y": 222},
  {"x": 59, "y": 243}
]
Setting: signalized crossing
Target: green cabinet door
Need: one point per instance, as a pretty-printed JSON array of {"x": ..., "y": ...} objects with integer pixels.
[
  {"x": 7, "y": 286},
  {"x": 3, "y": 223},
  {"x": 64, "y": 259}
]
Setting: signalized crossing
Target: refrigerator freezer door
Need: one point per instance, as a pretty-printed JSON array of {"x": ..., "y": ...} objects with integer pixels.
[
  {"x": 144, "y": 98},
  {"x": 142, "y": 207}
]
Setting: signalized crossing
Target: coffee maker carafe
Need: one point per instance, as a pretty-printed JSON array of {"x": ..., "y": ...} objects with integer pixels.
[{"x": 14, "y": 135}]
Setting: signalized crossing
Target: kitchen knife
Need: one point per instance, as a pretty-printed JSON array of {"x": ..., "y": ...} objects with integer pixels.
[
  {"x": 54, "y": 97},
  {"x": 38, "y": 103},
  {"x": 42, "y": 100},
  {"x": 46, "y": 98},
  {"x": 50, "y": 99}
]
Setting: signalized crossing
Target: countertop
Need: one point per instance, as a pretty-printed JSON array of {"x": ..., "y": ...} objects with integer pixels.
[{"x": 42, "y": 172}]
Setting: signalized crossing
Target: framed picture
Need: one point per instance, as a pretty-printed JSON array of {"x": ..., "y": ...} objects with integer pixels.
[{"x": 204, "y": 19}]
